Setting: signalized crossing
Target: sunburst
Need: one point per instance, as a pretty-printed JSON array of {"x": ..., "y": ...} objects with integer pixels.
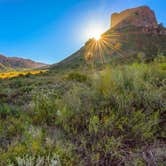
[{"x": 102, "y": 43}]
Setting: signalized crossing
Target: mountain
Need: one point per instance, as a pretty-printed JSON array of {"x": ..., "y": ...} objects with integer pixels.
[
  {"x": 14, "y": 63},
  {"x": 140, "y": 17},
  {"x": 133, "y": 34}
]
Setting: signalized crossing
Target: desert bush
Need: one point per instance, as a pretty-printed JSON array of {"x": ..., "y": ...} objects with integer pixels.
[
  {"x": 39, "y": 161},
  {"x": 16, "y": 83},
  {"x": 44, "y": 110},
  {"x": 20, "y": 75},
  {"x": 125, "y": 106},
  {"x": 6, "y": 111},
  {"x": 105, "y": 120},
  {"x": 77, "y": 77},
  {"x": 160, "y": 58}
]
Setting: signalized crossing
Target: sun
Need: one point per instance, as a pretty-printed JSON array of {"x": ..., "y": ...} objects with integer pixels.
[
  {"x": 94, "y": 31},
  {"x": 97, "y": 37}
]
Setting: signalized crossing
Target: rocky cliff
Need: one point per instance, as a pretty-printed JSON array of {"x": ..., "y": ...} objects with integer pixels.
[{"x": 140, "y": 17}]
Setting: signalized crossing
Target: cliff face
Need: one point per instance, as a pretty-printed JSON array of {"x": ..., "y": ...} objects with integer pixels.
[{"x": 140, "y": 17}]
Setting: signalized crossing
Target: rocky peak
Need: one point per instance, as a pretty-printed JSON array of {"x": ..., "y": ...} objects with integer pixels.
[{"x": 141, "y": 17}]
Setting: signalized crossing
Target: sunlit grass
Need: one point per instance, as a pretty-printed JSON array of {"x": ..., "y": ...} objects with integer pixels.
[{"x": 20, "y": 73}]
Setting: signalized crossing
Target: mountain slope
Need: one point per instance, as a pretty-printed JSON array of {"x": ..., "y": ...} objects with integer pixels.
[
  {"x": 14, "y": 63},
  {"x": 136, "y": 33}
]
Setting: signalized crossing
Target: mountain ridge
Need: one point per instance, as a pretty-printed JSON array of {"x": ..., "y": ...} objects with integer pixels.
[{"x": 16, "y": 62}]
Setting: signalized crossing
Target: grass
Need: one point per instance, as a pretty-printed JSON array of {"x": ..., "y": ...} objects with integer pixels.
[
  {"x": 12, "y": 74},
  {"x": 112, "y": 116}
]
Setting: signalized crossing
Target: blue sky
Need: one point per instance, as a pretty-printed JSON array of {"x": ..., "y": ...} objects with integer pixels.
[{"x": 50, "y": 30}]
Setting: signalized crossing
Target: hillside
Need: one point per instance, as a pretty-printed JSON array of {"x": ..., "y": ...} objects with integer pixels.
[
  {"x": 7, "y": 63},
  {"x": 134, "y": 33}
]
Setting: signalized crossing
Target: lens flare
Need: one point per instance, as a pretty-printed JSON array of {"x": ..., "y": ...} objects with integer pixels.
[
  {"x": 97, "y": 37},
  {"x": 94, "y": 31},
  {"x": 100, "y": 45}
]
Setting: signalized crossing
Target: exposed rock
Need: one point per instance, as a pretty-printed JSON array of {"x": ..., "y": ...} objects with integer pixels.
[
  {"x": 140, "y": 17},
  {"x": 157, "y": 30}
]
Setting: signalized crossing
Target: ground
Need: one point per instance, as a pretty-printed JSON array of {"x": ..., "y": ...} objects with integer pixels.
[{"x": 110, "y": 114}]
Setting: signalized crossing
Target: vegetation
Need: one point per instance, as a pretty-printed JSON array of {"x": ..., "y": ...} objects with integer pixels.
[
  {"x": 114, "y": 115},
  {"x": 20, "y": 73}
]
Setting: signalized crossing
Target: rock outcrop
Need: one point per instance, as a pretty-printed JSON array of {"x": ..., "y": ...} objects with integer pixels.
[{"x": 139, "y": 17}]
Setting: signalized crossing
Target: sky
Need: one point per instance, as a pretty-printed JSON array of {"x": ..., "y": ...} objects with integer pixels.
[{"x": 50, "y": 30}]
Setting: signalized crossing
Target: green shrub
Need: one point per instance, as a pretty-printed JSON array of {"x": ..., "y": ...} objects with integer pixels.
[
  {"x": 111, "y": 119},
  {"x": 124, "y": 111},
  {"x": 77, "y": 77},
  {"x": 6, "y": 110},
  {"x": 44, "y": 110}
]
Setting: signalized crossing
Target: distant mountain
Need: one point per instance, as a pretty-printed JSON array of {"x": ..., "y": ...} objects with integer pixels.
[
  {"x": 14, "y": 63},
  {"x": 132, "y": 32}
]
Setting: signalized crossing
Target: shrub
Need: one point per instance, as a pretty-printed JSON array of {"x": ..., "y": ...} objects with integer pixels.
[
  {"x": 110, "y": 120},
  {"x": 124, "y": 111},
  {"x": 77, "y": 77},
  {"x": 51, "y": 160},
  {"x": 44, "y": 110},
  {"x": 6, "y": 111},
  {"x": 20, "y": 75}
]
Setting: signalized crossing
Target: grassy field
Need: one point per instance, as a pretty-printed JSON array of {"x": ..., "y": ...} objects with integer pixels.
[
  {"x": 114, "y": 115},
  {"x": 11, "y": 74}
]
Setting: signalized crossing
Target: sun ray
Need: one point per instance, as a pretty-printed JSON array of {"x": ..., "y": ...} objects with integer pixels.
[{"x": 98, "y": 47}]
